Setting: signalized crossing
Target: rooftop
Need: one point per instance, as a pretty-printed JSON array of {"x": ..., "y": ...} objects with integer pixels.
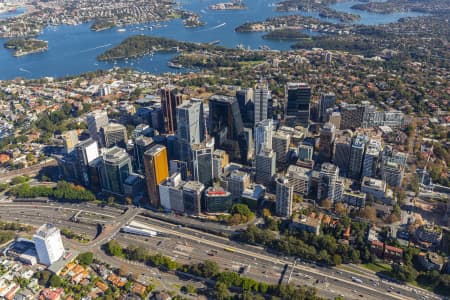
[
  {"x": 46, "y": 230},
  {"x": 373, "y": 183}
]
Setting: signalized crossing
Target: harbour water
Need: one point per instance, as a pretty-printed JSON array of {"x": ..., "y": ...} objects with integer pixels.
[{"x": 73, "y": 49}]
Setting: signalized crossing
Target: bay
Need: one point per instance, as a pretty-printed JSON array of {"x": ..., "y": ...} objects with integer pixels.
[{"x": 73, "y": 49}]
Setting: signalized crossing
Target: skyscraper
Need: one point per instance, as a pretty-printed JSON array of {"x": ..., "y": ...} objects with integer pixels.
[
  {"x": 86, "y": 151},
  {"x": 265, "y": 163},
  {"x": 225, "y": 126},
  {"x": 327, "y": 135},
  {"x": 115, "y": 168},
  {"x": 300, "y": 179},
  {"x": 298, "y": 102},
  {"x": 48, "y": 243},
  {"x": 191, "y": 126},
  {"x": 202, "y": 164},
  {"x": 156, "y": 170},
  {"x": 114, "y": 134},
  {"x": 96, "y": 120},
  {"x": 170, "y": 99},
  {"x": 305, "y": 152},
  {"x": 141, "y": 144},
  {"x": 284, "y": 195},
  {"x": 328, "y": 177},
  {"x": 351, "y": 115},
  {"x": 371, "y": 159},
  {"x": 192, "y": 196},
  {"x": 342, "y": 148},
  {"x": 327, "y": 100},
  {"x": 263, "y": 135},
  {"x": 220, "y": 160},
  {"x": 357, "y": 156},
  {"x": 280, "y": 144},
  {"x": 261, "y": 96},
  {"x": 244, "y": 98}
]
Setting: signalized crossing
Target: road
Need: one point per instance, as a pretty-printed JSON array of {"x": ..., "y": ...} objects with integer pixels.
[{"x": 192, "y": 245}]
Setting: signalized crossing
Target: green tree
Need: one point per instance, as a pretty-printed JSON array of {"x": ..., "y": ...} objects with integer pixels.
[
  {"x": 113, "y": 248},
  {"x": 55, "y": 281},
  {"x": 86, "y": 258},
  {"x": 44, "y": 277},
  {"x": 221, "y": 291}
]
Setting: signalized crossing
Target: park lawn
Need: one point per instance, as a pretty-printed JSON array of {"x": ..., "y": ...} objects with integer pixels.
[{"x": 377, "y": 267}]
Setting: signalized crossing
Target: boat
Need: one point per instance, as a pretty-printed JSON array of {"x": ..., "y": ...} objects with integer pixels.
[
  {"x": 240, "y": 46},
  {"x": 174, "y": 65},
  {"x": 121, "y": 30}
]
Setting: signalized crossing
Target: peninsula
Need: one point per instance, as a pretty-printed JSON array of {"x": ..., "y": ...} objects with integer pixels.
[
  {"x": 26, "y": 46},
  {"x": 237, "y": 5}
]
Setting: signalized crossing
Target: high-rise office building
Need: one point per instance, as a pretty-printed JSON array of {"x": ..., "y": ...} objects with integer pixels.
[
  {"x": 202, "y": 164},
  {"x": 115, "y": 168},
  {"x": 244, "y": 98},
  {"x": 114, "y": 134},
  {"x": 300, "y": 179},
  {"x": 178, "y": 166},
  {"x": 284, "y": 195},
  {"x": 334, "y": 118},
  {"x": 357, "y": 156},
  {"x": 371, "y": 159},
  {"x": 305, "y": 152},
  {"x": 217, "y": 200},
  {"x": 192, "y": 197},
  {"x": 298, "y": 102},
  {"x": 261, "y": 96},
  {"x": 392, "y": 173},
  {"x": 351, "y": 116},
  {"x": 328, "y": 177},
  {"x": 96, "y": 120},
  {"x": 170, "y": 99},
  {"x": 142, "y": 130},
  {"x": 225, "y": 126},
  {"x": 70, "y": 139},
  {"x": 86, "y": 151},
  {"x": 265, "y": 163},
  {"x": 327, "y": 135},
  {"x": 220, "y": 160},
  {"x": 48, "y": 243},
  {"x": 342, "y": 149},
  {"x": 141, "y": 144},
  {"x": 171, "y": 193},
  {"x": 235, "y": 182},
  {"x": 191, "y": 126},
  {"x": 326, "y": 101},
  {"x": 280, "y": 144},
  {"x": 156, "y": 170},
  {"x": 263, "y": 135}
]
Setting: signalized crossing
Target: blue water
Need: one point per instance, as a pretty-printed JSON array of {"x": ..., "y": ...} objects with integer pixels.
[
  {"x": 368, "y": 18},
  {"x": 73, "y": 49},
  {"x": 11, "y": 14}
]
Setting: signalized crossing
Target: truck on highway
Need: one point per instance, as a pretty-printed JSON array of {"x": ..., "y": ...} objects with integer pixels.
[{"x": 356, "y": 279}]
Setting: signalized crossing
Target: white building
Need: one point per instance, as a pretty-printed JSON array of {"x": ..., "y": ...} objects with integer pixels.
[
  {"x": 263, "y": 135},
  {"x": 284, "y": 194},
  {"x": 48, "y": 243}
]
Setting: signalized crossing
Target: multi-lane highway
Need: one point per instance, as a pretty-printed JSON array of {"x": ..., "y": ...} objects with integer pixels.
[{"x": 190, "y": 245}]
